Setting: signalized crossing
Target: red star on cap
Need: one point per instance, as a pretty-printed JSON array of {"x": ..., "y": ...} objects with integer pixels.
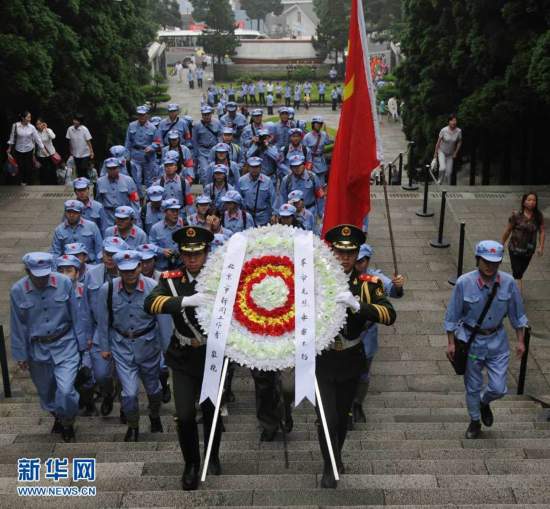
[
  {"x": 492, "y": 250},
  {"x": 126, "y": 256}
]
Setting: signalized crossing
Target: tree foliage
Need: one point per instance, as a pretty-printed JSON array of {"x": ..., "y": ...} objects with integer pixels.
[
  {"x": 62, "y": 57},
  {"x": 332, "y": 30},
  {"x": 259, "y": 9},
  {"x": 167, "y": 13},
  {"x": 219, "y": 37},
  {"x": 489, "y": 62}
]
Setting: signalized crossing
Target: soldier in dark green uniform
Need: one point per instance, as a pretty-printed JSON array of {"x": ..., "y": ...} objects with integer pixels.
[
  {"x": 339, "y": 369},
  {"x": 175, "y": 294}
]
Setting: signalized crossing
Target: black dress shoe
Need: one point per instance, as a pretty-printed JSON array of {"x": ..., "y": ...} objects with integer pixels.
[
  {"x": 268, "y": 435},
  {"x": 67, "y": 433},
  {"x": 486, "y": 415},
  {"x": 289, "y": 424},
  {"x": 166, "y": 393},
  {"x": 341, "y": 468},
  {"x": 328, "y": 481},
  {"x": 214, "y": 467},
  {"x": 57, "y": 426},
  {"x": 122, "y": 417},
  {"x": 350, "y": 422},
  {"x": 474, "y": 430},
  {"x": 190, "y": 477},
  {"x": 132, "y": 435},
  {"x": 358, "y": 414},
  {"x": 89, "y": 409},
  {"x": 106, "y": 405},
  {"x": 156, "y": 425}
]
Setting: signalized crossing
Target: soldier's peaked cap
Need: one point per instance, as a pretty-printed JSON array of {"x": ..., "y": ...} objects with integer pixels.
[
  {"x": 192, "y": 239},
  {"x": 345, "y": 237}
]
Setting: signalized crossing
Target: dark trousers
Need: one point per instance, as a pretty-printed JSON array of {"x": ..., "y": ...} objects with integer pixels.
[
  {"x": 337, "y": 398},
  {"x": 252, "y": 98},
  {"x": 273, "y": 401},
  {"x": 296, "y": 104},
  {"x": 47, "y": 172},
  {"x": 262, "y": 97},
  {"x": 287, "y": 101},
  {"x": 231, "y": 97},
  {"x": 334, "y": 104},
  {"x": 191, "y": 84},
  {"x": 321, "y": 98},
  {"x": 199, "y": 82},
  {"x": 25, "y": 164},
  {"x": 82, "y": 165},
  {"x": 270, "y": 110},
  {"x": 187, "y": 390}
]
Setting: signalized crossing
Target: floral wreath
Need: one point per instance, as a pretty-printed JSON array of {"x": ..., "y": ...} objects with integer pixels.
[{"x": 262, "y": 330}]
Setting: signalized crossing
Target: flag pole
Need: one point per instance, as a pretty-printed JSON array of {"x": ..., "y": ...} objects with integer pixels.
[{"x": 383, "y": 174}]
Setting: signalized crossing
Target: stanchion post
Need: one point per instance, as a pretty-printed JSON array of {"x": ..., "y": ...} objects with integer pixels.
[
  {"x": 390, "y": 171},
  {"x": 440, "y": 242},
  {"x": 424, "y": 212},
  {"x": 4, "y": 364},
  {"x": 460, "y": 265},
  {"x": 400, "y": 167},
  {"x": 523, "y": 365}
]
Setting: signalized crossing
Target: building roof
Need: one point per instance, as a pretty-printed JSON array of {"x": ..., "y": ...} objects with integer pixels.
[{"x": 305, "y": 6}]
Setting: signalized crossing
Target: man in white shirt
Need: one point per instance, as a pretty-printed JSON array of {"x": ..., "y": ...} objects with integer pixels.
[
  {"x": 80, "y": 145},
  {"x": 179, "y": 71}
]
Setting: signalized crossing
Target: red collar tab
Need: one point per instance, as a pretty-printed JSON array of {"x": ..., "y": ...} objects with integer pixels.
[{"x": 170, "y": 274}]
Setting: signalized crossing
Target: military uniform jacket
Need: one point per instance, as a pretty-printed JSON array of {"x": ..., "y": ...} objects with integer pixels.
[
  {"x": 375, "y": 307},
  {"x": 161, "y": 301}
]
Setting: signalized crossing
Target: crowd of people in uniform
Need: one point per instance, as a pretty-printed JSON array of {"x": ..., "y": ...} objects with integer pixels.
[{"x": 113, "y": 301}]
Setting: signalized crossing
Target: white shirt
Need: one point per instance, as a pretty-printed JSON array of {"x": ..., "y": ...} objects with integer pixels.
[
  {"x": 27, "y": 137},
  {"x": 78, "y": 139},
  {"x": 449, "y": 140},
  {"x": 46, "y": 135}
]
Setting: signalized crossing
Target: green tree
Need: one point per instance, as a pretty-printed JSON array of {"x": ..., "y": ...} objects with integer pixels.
[
  {"x": 219, "y": 37},
  {"x": 332, "y": 30},
  {"x": 259, "y": 9},
  {"x": 167, "y": 13},
  {"x": 157, "y": 91},
  {"x": 64, "y": 57},
  {"x": 488, "y": 61}
]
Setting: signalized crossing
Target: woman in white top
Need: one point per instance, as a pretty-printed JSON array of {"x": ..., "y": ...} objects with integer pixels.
[
  {"x": 23, "y": 139},
  {"x": 447, "y": 148},
  {"x": 47, "y": 168}
]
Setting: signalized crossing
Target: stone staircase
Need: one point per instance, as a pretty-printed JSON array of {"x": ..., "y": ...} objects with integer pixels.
[{"x": 410, "y": 453}]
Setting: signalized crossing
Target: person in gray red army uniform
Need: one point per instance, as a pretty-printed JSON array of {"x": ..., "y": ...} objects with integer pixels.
[
  {"x": 339, "y": 368},
  {"x": 176, "y": 295}
]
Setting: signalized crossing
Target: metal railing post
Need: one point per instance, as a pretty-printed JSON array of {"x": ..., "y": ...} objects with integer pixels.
[
  {"x": 425, "y": 212},
  {"x": 410, "y": 168},
  {"x": 460, "y": 265},
  {"x": 4, "y": 364},
  {"x": 400, "y": 167},
  {"x": 523, "y": 365},
  {"x": 440, "y": 242}
]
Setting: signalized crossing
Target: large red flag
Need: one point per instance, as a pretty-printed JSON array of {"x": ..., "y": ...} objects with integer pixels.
[{"x": 357, "y": 150}]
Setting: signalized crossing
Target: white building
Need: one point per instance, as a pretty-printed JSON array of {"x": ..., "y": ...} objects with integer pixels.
[{"x": 297, "y": 20}]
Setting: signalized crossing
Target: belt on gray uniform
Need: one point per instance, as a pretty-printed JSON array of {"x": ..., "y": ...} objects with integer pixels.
[
  {"x": 186, "y": 341},
  {"x": 312, "y": 204},
  {"x": 257, "y": 210},
  {"x": 136, "y": 334},
  {"x": 139, "y": 147},
  {"x": 341, "y": 343},
  {"x": 207, "y": 146},
  {"x": 50, "y": 338},
  {"x": 482, "y": 332}
]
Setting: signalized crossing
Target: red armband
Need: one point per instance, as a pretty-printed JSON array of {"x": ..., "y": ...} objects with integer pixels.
[
  {"x": 319, "y": 193},
  {"x": 309, "y": 166},
  {"x": 189, "y": 199},
  {"x": 134, "y": 196},
  {"x": 187, "y": 135},
  {"x": 188, "y": 163}
]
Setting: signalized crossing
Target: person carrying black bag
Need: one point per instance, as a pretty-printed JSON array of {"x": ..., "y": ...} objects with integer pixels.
[{"x": 480, "y": 301}]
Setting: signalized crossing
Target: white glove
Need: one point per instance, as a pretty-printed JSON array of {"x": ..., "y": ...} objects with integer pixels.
[
  {"x": 196, "y": 300},
  {"x": 349, "y": 300}
]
